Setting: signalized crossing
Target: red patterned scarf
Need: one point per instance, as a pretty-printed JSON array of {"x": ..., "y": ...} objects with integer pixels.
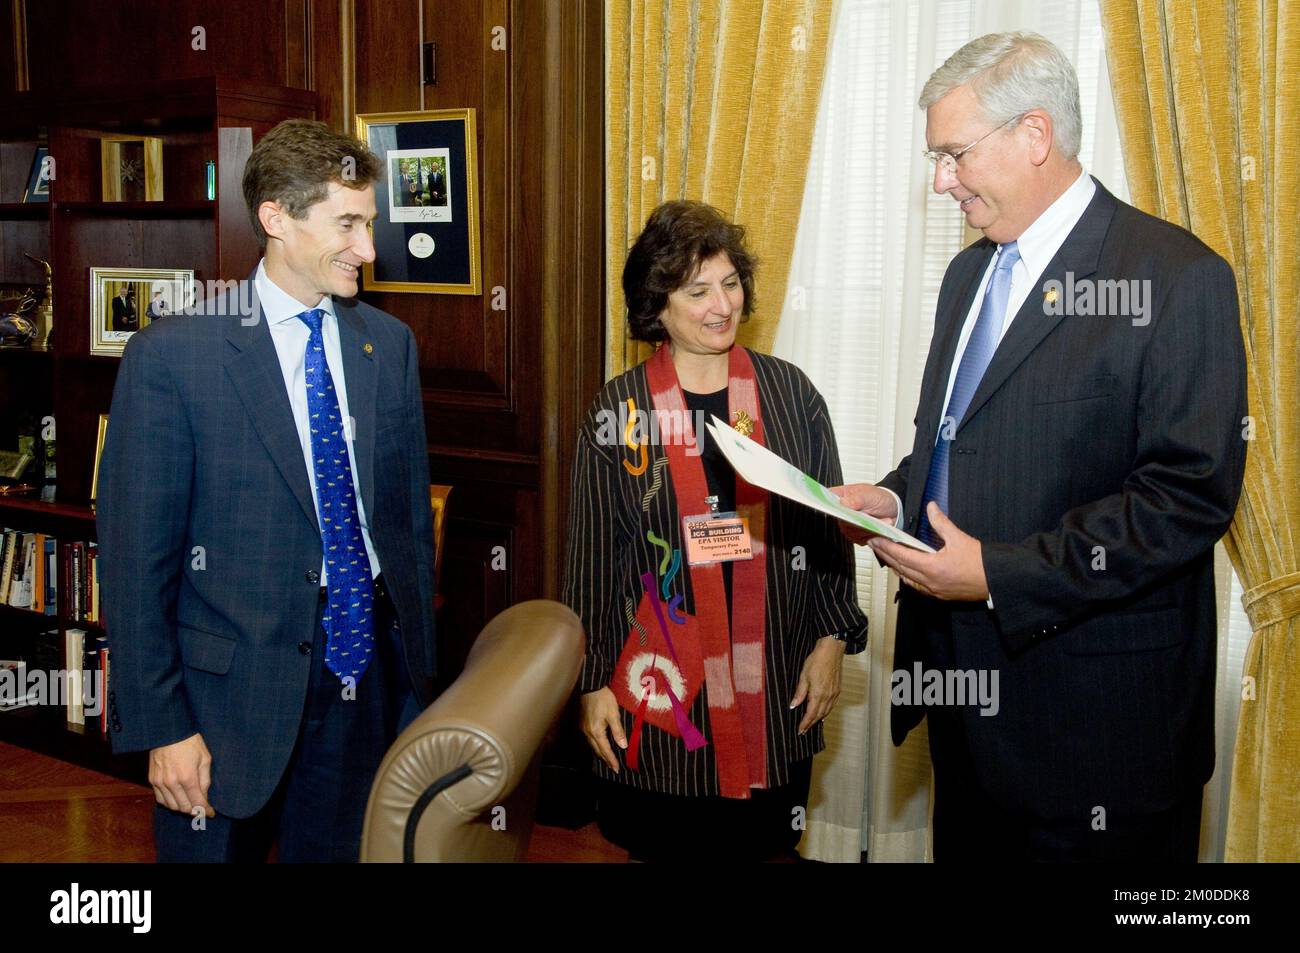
[{"x": 669, "y": 655}]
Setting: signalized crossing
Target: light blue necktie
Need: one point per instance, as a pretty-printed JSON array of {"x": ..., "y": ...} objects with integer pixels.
[
  {"x": 349, "y": 616},
  {"x": 974, "y": 362}
]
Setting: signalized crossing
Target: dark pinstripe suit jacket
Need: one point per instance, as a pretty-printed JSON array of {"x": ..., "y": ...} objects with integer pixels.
[
  {"x": 1099, "y": 461},
  {"x": 209, "y": 543},
  {"x": 807, "y": 598}
]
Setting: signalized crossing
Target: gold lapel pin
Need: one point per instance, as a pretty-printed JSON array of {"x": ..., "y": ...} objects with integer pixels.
[
  {"x": 744, "y": 424},
  {"x": 1050, "y": 296},
  {"x": 368, "y": 348}
]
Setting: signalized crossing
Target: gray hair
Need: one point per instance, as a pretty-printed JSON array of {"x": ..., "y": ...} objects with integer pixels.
[{"x": 1010, "y": 74}]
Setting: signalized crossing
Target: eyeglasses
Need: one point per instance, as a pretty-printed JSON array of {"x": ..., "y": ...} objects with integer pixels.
[{"x": 948, "y": 160}]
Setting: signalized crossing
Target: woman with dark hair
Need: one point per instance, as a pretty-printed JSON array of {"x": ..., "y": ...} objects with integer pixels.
[{"x": 717, "y": 616}]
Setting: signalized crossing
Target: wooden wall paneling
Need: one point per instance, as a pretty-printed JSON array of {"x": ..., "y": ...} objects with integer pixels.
[
  {"x": 488, "y": 435},
  {"x": 260, "y": 106},
  {"x": 105, "y": 43},
  {"x": 76, "y": 155},
  {"x": 524, "y": 142},
  {"x": 15, "y": 167},
  {"x": 464, "y": 347},
  {"x": 387, "y": 56},
  {"x": 184, "y": 171},
  {"x": 331, "y": 61},
  {"x": 571, "y": 59},
  {"x": 297, "y": 44},
  {"x": 238, "y": 249},
  {"x": 449, "y": 328},
  {"x": 461, "y": 29},
  {"x": 13, "y": 47},
  {"x": 489, "y": 566},
  {"x": 17, "y": 237},
  {"x": 497, "y": 128},
  {"x": 474, "y": 590},
  {"x": 573, "y": 314}
]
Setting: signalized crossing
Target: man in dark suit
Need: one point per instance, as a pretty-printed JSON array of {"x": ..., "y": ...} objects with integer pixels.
[
  {"x": 1079, "y": 450},
  {"x": 157, "y": 307},
  {"x": 124, "y": 311},
  {"x": 437, "y": 187},
  {"x": 269, "y": 586}
]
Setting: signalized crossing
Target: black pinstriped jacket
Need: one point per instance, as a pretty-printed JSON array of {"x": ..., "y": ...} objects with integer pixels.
[{"x": 810, "y": 569}]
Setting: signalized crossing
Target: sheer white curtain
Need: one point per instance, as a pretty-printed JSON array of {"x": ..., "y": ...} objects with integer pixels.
[{"x": 872, "y": 246}]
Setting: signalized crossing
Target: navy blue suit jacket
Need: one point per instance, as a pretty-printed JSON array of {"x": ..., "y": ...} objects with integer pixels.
[
  {"x": 209, "y": 543},
  {"x": 1100, "y": 459}
]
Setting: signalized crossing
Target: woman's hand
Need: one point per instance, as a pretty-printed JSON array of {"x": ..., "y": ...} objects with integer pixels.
[
  {"x": 600, "y": 712},
  {"x": 819, "y": 681}
]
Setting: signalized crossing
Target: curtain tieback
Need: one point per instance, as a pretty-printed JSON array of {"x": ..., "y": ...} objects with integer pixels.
[{"x": 1274, "y": 601}]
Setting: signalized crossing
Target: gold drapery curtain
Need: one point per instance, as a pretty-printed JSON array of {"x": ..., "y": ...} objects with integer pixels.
[
  {"x": 712, "y": 100},
  {"x": 1206, "y": 92}
]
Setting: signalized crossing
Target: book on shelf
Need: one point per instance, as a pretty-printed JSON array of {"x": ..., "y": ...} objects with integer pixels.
[
  {"x": 51, "y": 576},
  {"x": 89, "y": 672},
  {"x": 29, "y": 577},
  {"x": 14, "y": 690},
  {"x": 20, "y": 588},
  {"x": 74, "y": 665},
  {"x": 104, "y": 659},
  {"x": 11, "y": 542},
  {"x": 38, "y": 573},
  {"x": 94, "y": 582},
  {"x": 80, "y": 578},
  {"x": 78, "y": 602}
]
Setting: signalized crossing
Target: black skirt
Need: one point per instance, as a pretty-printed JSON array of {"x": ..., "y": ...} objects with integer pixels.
[{"x": 671, "y": 828}]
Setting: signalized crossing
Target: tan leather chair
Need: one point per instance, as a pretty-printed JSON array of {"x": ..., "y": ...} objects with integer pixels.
[{"x": 460, "y": 784}]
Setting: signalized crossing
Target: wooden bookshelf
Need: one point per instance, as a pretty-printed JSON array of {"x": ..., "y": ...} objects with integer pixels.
[{"x": 199, "y": 121}]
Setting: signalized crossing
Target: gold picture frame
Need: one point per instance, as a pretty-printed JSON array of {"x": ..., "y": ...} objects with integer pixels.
[
  {"x": 143, "y": 295},
  {"x": 120, "y": 160},
  {"x": 99, "y": 453},
  {"x": 427, "y": 231}
]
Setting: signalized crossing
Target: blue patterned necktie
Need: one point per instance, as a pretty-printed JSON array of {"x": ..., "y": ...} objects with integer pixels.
[
  {"x": 349, "y": 615},
  {"x": 974, "y": 362}
]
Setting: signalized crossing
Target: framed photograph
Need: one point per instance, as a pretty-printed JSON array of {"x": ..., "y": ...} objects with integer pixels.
[
  {"x": 38, "y": 180},
  {"x": 131, "y": 169},
  {"x": 99, "y": 452},
  {"x": 426, "y": 235},
  {"x": 124, "y": 300}
]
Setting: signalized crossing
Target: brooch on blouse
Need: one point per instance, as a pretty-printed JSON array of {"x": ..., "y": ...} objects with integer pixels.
[{"x": 743, "y": 424}]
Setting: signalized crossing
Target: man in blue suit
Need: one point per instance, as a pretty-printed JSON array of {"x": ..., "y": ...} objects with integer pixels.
[{"x": 265, "y": 530}]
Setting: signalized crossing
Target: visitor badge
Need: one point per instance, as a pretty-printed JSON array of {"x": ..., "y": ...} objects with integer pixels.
[{"x": 716, "y": 538}]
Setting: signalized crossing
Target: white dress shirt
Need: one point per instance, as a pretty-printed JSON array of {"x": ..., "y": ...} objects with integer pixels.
[
  {"x": 290, "y": 335},
  {"x": 1037, "y": 245}
]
